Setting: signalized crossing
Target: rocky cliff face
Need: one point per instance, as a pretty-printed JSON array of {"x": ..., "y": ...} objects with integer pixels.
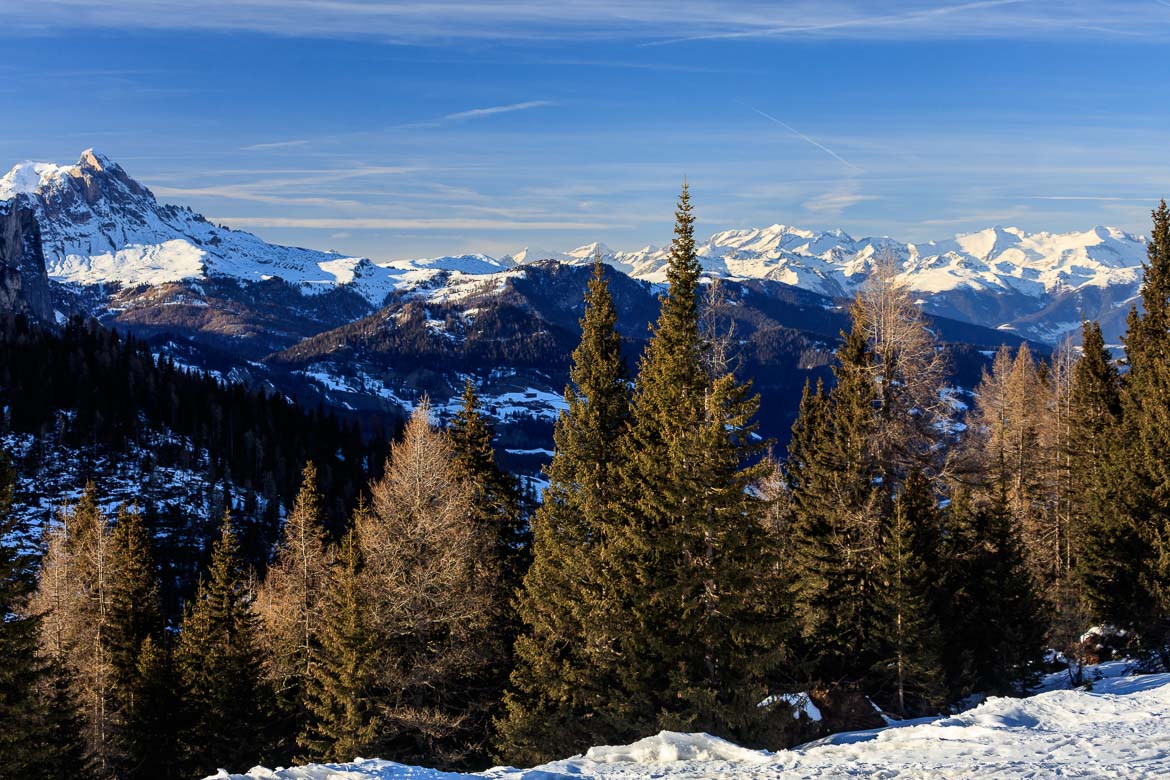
[{"x": 24, "y": 284}]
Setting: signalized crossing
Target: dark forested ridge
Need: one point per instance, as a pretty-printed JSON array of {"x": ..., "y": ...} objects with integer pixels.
[
  {"x": 106, "y": 398},
  {"x": 521, "y": 333}
]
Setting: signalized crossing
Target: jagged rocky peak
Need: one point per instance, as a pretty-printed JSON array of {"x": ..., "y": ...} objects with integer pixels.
[
  {"x": 24, "y": 284},
  {"x": 94, "y": 177},
  {"x": 93, "y": 160}
]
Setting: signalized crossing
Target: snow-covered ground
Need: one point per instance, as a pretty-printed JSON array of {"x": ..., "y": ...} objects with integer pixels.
[{"x": 1119, "y": 729}]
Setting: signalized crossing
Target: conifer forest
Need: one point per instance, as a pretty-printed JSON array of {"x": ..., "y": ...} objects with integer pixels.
[{"x": 394, "y": 591}]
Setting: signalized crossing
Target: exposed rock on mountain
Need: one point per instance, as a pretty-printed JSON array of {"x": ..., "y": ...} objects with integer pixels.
[{"x": 24, "y": 285}]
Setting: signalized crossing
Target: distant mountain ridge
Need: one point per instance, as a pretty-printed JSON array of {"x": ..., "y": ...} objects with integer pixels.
[{"x": 101, "y": 227}]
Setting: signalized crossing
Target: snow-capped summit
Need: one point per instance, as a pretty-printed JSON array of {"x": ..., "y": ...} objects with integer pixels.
[
  {"x": 586, "y": 253},
  {"x": 99, "y": 226},
  {"x": 530, "y": 254}
]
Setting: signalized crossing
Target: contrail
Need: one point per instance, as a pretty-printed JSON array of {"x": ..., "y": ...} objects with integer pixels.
[{"x": 801, "y": 135}]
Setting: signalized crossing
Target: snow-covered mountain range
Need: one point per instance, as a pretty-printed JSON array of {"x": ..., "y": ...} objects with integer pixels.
[
  {"x": 834, "y": 263},
  {"x": 101, "y": 227}
]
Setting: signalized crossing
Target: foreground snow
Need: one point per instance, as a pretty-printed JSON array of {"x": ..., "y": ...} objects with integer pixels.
[{"x": 1120, "y": 729}]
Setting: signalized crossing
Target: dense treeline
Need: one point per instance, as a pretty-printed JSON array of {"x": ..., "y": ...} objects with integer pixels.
[
  {"x": 394, "y": 640},
  {"x": 118, "y": 389},
  {"x": 906, "y": 549},
  {"x": 249, "y": 445}
]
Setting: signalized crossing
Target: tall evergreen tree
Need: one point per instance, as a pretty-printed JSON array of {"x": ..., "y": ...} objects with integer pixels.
[
  {"x": 151, "y": 722},
  {"x": 837, "y": 510},
  {"x": 290, "y": 610},
  {"x": 218, "y": 662},
  {"x": 1105, "y": 548},
  {"x": 341, "y": 696},
  {"x": 688, "y": 560},
  {"x": 993, "y": 627},
  {"x": 498, "y": 497},
  {"x": 134, "y": 616},
  {"x": 22, "y": 670},
  {"x": 561, "y": 678},
  {"x": 64, "y": 754},
  {"x": 134, "y": 609},
  {"x": 906, "y": 635},
  {"x": 500, "y": 509},
  {"x": 1143, "y": 501}
]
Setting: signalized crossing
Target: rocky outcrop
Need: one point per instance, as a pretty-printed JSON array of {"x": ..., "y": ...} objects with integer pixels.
[{"x": 24, "y": 284}]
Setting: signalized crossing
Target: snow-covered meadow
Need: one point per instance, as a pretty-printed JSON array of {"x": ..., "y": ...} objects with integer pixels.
[{"x": 1119, "y": 729}]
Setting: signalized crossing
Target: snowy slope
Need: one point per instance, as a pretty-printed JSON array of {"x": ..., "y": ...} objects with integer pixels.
[
  {"x": 1121, "y": 729},
  {"x": 99, "y": 226}
]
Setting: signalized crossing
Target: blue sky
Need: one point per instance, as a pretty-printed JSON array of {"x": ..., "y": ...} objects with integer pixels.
[{"x": 406, "y": 129}]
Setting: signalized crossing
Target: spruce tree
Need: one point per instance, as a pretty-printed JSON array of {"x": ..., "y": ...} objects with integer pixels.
[
  {"x": 734, "y": 609},
  {"x": 218, "y": 661},
  {"x": 22, "y": 670},
  {"x": 151, "y": 721},
  {"x": 498, "y": 498},
  {"x": 64, "y": 752},
  {"x": 560, "y": 683},
  {"x": 134, "y": 616},
  {"x": 1142, "y": 529},
  {"x": 290, "y": 611},
  {"x": 906, "y": 639},
  {"x": 341, "y": 696},
  {"x": 501, "y": 512},
  {"x": 1104, "y": 549},
  {"x": 992, "y": 622},
  {"x": 837, "y": 513},
  {"x": 687, "y": 558},
  {"x": 134, "y": 608}
]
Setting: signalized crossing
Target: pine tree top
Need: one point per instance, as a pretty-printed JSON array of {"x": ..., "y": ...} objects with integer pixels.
[
  {"x": 472, "y": 435},
  {"x": 1148, "y": 331},
  {"x": 598, "y": 373},
  {"x": 222, "y": 592},
  {"x": 680, "y": 306}
]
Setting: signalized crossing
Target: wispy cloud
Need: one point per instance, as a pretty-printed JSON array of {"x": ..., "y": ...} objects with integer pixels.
[
  {"x": 983, "y": 218},
  {"x": 477, "y": 113},
  {"x": 472, "y": 113},
  {"x": 1087, "y": 198},
  {"x": 835, "y": 202},
  {"x": 898, "y": 21},
  {"x": 275, "y": 145},
  {"x": 287, "y": 190},
  {"x": 639, "y": 20},
  {"x": 409, "y": 223}
]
